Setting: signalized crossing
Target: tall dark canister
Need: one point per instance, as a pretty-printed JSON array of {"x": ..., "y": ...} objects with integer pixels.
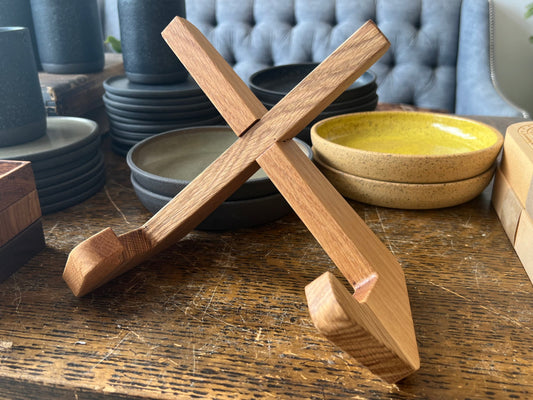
[
  {"x": 69, "y": 35},
  {"x": 147, "y": 57},
  {"x": 22, "y": 112}
]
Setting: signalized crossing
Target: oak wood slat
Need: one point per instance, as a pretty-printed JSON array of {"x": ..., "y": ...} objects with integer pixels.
[{"x": 87, "y": 268}]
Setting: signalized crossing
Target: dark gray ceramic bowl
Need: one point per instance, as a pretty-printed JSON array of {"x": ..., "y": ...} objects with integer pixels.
[
  {"x": 167, "y": 162},
  {"x": 230, "y": 214},
  {"x": 271, "y": 84}
]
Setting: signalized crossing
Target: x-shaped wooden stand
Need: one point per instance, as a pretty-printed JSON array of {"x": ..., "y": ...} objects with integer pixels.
[{"x": 375, "y": 324}]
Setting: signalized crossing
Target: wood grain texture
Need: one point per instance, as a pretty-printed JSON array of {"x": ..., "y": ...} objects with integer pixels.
[
  {"x": 522, "y": 244},
  {"x": 517, "y": 159},
  {"x": 216, "y": 77},
  {"x": 223, "y": 315},
  {"x": 235, "y": 165},
  {"x": 363, "y": 259},
  {"x": 355, "y": 328},
  {"x": 19, "y": 215},
  {"x": 16, "y": 181}
]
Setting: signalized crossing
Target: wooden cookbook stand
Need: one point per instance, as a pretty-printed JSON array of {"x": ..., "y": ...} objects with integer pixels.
[{"x": 375, "y": 324}]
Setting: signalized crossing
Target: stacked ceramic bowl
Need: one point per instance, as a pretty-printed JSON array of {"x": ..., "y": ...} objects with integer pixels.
[
  {"x": 67, "y": 162},
  {"x": 137, "y": 111},
  {"x": 409, "y": 160},
  {"x": 270, "y": 85},
  {"x": 163, "y": 165}
]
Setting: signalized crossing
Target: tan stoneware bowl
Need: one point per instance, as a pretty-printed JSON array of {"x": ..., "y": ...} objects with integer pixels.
[
  {"x": 410, "y": 196},
  {"x": 408, "y": 147}
]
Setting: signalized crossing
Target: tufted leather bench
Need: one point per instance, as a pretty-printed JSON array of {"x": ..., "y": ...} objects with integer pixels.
[{"x": 439, "y": 55}]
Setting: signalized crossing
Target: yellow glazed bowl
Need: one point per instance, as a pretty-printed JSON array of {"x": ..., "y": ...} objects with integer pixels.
[
  {"x": 409, "y": 147},
  {"x": 410, "y": 196}
]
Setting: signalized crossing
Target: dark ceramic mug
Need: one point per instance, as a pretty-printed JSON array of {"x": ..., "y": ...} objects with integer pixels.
[
  {"x": 69, "y": 35},
  {"x": 147, "y": 57},
  {"x": 22, "y": 112},
  {"x": 18, "y": 13}
]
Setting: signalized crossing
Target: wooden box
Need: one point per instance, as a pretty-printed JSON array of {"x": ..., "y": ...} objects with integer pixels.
[
  {"x": 517, "y": 162},
  {"x": 512, "y": 195},
  {"x": 21, "y": 233}
]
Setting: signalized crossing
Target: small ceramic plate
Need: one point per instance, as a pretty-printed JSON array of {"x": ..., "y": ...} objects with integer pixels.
[
  {"x": 411, "y": 196},
  {"x": 409, "y": 147},
  {"x": 115, "y": 132},
  {"x": 279, "y": 80},
  {"x": 65, "y": 185},
  {"x": 162, "y": 116},
  {"x": 230, "y": 214},
  {"x": 75, "y": 155},
  {"x": 123, "y": 141},
  {"x": 72, "y": 201},
  {"x": 166, "y": 163},
  {"x": 63, "y": 135},
  {"x": 121, "y": 86},
  {"x": 139, "y": 125},
  {"x": 140, "y": 101},
  {"x": 73, "y": 191},
  {"x": 66, "y": 172},
  {"x": 181, "y": 108},
  {"x": 49, "y": 205}
]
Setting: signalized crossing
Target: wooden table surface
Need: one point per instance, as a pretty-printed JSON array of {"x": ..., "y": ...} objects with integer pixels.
[{"x": 224, "y": 315}]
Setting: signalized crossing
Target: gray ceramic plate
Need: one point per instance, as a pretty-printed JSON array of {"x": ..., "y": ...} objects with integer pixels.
[
  {"x": 163, "y": 116},
  {"x": 230, "y": 214},
  {"x": 166, "y": 163},
  {"x": 63, "y": 135},
  {"x": 181, "y": 108},
  {"x": 69, "y": 184},
  {"x": 125, "y": 141},
  {"x": 73, "y": 200},
  {"x": 279, "y": 80},
  {"x": 130, "y": 135},
  {"x": 134, "y": 126},
  {"x": 68, "y": 171},
  {"x": 61, "y": 159},
  {"x": 139, "y": 101},
  {"x": 58, "y": 201},
  {"x": 121, "y": 86}
]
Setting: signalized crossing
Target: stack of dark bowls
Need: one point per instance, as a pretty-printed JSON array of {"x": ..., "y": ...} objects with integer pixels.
[
  {"x": 271, "y": 84},
  {"x": 137, "y": 111}
]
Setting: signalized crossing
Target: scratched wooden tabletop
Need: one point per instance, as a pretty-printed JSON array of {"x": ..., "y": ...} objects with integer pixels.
[{"x": 223, "y": 315}]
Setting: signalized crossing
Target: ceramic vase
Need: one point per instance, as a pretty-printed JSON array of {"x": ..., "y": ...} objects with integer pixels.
[
  {"x": 147, "y": 57},
  {"x": 69, "y": 35},
  {"x": 18, "y": 13},
  {"x": 22, "y": 112}
]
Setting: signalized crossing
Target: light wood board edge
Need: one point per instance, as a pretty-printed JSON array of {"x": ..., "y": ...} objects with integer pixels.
[{"x": 356, "y": 329}]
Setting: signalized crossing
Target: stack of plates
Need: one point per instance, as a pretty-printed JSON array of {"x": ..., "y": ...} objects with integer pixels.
[
  {"x": 270, "y": 85},
  {"x": 409, "y": 160},
  {"x": 67, "y": 162},
  {"x": 138, "y": 111},
  {"x": 163, "y": 165}
]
